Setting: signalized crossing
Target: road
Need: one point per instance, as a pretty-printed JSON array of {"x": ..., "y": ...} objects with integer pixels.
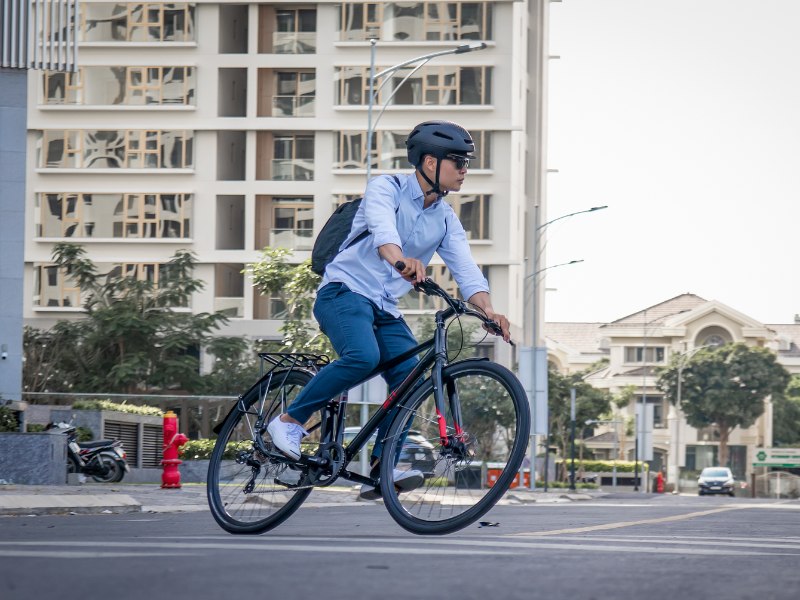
[{"x": 621, "y": 546}]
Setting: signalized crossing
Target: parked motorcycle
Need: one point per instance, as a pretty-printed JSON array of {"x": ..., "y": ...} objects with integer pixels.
[{"x": 102, "y": 460}]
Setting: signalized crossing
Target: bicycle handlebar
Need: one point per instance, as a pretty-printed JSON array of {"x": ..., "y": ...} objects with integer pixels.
[{"x": 430, "y": 288}]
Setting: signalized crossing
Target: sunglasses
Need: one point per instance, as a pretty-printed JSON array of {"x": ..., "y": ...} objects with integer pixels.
[{"x": 462, "y": 162}]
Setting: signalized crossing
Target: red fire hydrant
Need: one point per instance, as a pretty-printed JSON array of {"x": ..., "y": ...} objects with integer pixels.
[
  {"x": 171, "y": 477},
  {"x": 659, "y": 483}
]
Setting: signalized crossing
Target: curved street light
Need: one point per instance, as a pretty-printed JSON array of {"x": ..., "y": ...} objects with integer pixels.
[
  {"x": 539, "y": 354},
  {"x": 374, "y": 77}
]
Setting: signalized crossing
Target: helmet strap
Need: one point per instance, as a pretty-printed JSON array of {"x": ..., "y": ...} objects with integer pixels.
[{"x": 434, "y": 185}]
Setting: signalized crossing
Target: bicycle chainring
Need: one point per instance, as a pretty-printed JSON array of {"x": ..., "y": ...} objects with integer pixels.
[{"x": 324, "y": 476}]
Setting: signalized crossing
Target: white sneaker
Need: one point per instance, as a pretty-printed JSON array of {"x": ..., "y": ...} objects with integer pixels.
[
  {"x": 286, "y": 437},
  {"x": 404, "y": 481}
]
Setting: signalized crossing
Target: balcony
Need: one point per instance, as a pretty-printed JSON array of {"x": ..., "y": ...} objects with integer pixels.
[
  {"x": 232, "y": 308},
  {"x": 293, "y": 239},
  {"x": 284, "y": 42},
  {"x": 293, "y": 106},
  {"x": 287, "y": 169}
]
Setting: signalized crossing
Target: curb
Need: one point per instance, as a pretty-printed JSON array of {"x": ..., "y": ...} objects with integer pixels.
[{"x": 27, "y": 504}]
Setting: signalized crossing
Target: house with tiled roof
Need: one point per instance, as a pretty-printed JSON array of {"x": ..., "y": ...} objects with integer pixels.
[{"x": 635, "y": 346}]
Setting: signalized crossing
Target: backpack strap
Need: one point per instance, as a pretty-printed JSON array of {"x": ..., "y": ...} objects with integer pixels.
[{"x": 365, "y": 233}]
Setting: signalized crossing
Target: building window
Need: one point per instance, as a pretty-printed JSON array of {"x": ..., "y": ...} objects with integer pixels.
[
  {"x": 286, "y": 93},
  {"x": 137, "y": 22},
  {"x": 660, "y": 409},
  {"x": 63, "y": 87},
  {"x": 473, "y": 212},
  {"x": 123, "y": 86},
  {"x": 642, "y": 354},
  {"x": 428, "y": 86},
  {"x": 389, "y": 150},
  {"x": 103, "y": 216},
  {"x": 290, "y": 157},
  {"x": 154, "y": 216},
  {"x": 285, "y": 222},
  {"x": 287, "y": 30},
  {"x": 54, "y": 288},
  {"x": 415, "y": 21},
  {"x": 129, "y": 149}
]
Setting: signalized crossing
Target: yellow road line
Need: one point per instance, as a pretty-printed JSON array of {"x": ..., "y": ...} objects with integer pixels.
[{"x": 620, "y": 524}]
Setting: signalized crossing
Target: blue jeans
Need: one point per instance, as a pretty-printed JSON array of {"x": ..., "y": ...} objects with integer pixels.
[{"x": 363, "y": 335}]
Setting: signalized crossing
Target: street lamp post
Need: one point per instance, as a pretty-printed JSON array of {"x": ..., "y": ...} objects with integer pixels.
[
  {"x": 673, "y": 469},
  {"x": 535, "y": 271},
  {"x": 374, "y": 77}
]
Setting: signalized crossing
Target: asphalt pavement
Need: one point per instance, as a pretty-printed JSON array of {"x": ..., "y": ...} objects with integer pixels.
[{"x": 96, "y": 498}]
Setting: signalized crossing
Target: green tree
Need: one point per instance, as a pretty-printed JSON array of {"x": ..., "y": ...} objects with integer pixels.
[
  {"x": 131, "y": 340},
  {"x": 295, "y": 285},
  {"x": 786, "y": 415},
  {"x": 590, "y": 403},
  {"x": 726, "y": 386}
]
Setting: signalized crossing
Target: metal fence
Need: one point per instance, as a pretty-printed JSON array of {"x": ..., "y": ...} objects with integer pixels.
[
  {"x": 776, "y": 484},
  {"x": 197, "y": 415},
  {"x": 39, "y": 34}
]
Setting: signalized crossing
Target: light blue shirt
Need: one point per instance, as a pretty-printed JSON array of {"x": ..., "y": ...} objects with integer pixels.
[{"x": 396, "y": 216}]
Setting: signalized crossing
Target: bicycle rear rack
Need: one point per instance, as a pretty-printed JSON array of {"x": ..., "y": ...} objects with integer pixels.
[{"x": 290, "y": 360}]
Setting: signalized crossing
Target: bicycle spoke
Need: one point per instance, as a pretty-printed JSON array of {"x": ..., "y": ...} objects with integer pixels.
[
  {"x": 457, "y": 489},
  {"x": 248, "y": 491}
]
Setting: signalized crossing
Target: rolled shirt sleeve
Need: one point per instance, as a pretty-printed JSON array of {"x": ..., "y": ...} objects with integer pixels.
[{"x": 456, "y": 254}]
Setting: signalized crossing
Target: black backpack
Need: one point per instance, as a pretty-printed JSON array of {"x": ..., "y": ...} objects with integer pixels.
[{"x": 335, "y": 232}]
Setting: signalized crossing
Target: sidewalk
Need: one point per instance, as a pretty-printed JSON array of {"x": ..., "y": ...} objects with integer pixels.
[{"x": 96, "y": 498}]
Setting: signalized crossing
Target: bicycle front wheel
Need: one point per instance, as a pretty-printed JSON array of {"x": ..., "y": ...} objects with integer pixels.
[
  {"x": 249, "y": 492},
  {"x": 466, "y": 477}
]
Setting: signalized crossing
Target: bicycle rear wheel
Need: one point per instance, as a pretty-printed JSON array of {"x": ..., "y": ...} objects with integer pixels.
[
  {"x": 466, "y": 478},
  {"x": 244, "y": 490}
]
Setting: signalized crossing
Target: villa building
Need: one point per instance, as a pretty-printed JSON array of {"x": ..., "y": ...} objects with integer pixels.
[{"x": 636, "y": 345}]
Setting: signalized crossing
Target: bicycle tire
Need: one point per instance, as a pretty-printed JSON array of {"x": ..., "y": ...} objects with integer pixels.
[
  {"x": 457, "y": 489},
  {"x": 268, "y": 504}
]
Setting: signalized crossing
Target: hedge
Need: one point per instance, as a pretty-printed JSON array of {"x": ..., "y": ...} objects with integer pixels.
[
  {"x": 117, "y": 406},
  {"x": 603, "y": 466}
]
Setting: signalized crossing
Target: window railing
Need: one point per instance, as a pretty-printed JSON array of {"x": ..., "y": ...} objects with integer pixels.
[
  {"x": 293, "y": 106},
  {"x": 231, "y": 307},
  {"x": 287, "y": 169},
  {"x": 285, "y": 42},
  {"x": 293, "y": 239}
]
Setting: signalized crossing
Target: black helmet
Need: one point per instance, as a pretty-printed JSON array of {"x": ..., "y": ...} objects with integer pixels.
[{"x": 438, "y": 138}]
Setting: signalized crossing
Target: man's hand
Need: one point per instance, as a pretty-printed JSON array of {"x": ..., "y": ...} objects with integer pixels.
[
  {"x": 484, "y": 302},
  {"x": 414, "y": 271},
  {"x": 500, "y": 320}
]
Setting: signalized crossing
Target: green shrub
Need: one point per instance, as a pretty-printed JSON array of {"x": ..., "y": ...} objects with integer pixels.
[
  {"x": 202, "y": 449},
  {"x": 565, "y": 485},
  {"x": 83, "y": 434},
  {"x": 132, "y": 409},
  {"x": 34, "y": 428},
  {"x": 602, "y": 466},
  {"x": 8, "y": 419}
]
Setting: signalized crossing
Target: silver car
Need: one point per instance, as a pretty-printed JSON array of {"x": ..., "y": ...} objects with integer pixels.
[{"x": 715, "y": 480}]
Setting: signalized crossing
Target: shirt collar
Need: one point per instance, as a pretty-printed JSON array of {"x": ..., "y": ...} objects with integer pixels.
[{"x": 416, "y": 190}]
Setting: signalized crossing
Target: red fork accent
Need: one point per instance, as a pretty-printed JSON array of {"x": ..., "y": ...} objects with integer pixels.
[
  {"x": 442, "y": 427},
  {"x": 459, "y": 431}
]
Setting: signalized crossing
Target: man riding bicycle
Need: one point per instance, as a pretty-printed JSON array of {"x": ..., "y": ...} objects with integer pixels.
[{"x": 356, "y": 304}]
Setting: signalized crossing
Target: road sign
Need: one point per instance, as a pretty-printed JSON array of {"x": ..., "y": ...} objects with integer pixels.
[{"x": 787, "y": 458}]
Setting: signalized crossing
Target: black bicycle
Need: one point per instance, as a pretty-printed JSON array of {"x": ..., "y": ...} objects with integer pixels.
[{"x": 473, "y": 413}]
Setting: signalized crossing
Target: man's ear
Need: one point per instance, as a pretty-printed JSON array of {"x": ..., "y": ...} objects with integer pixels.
[{"x": 429, "y": 162}]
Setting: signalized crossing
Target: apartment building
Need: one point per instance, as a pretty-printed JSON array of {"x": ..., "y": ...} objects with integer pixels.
[
  {"x": 637, "y": 345},
  {"x": 225, "y": 127}
]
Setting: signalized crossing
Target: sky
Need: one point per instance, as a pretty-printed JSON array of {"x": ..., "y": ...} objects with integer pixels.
[{"x": 683, "y": 116}]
